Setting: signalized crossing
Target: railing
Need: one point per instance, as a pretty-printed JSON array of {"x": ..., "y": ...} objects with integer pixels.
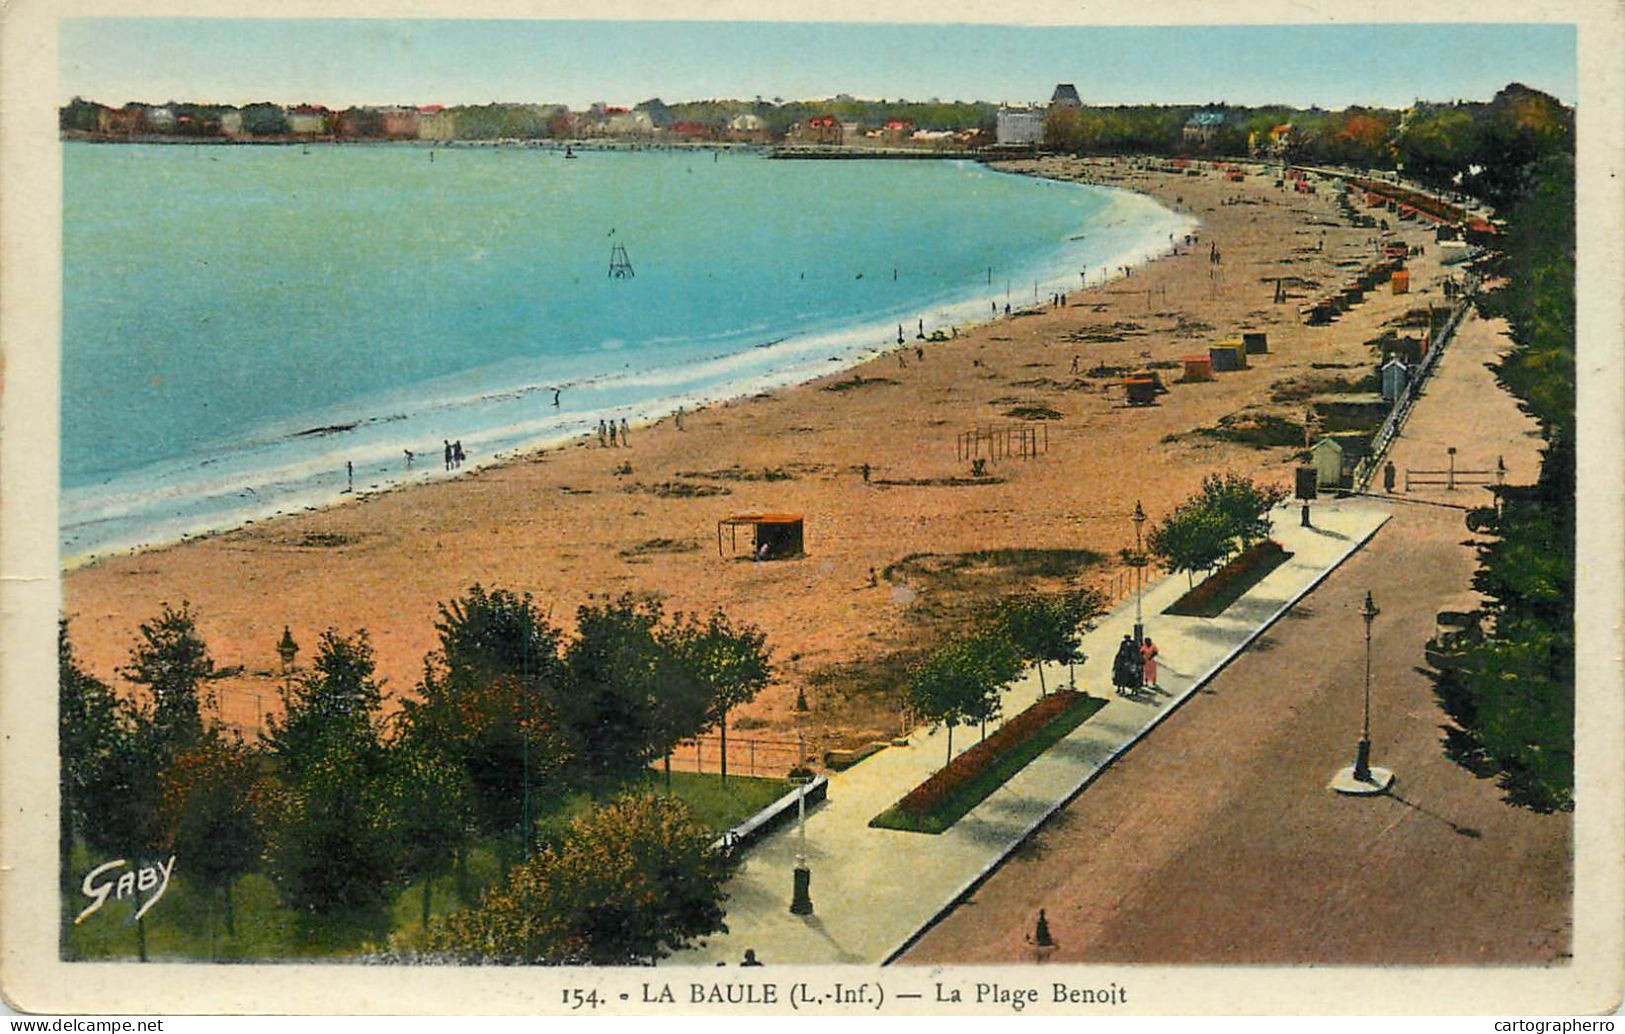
[
  {"x": 1407, "y": 398},
  {"x": 747, "y": 755}
]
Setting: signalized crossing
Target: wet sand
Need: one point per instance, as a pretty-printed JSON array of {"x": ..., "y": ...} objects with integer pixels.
[{"x": 571, "y": 522}]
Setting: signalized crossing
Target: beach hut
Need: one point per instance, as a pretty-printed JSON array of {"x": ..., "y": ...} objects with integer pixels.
[
  {"x": 1140, "y": 391},
  {"x": 1228, "y": 355},
  {"x": 1197, "y": 367},
  {"x": 1257, "y": 342},
  {"x": 775, "y": 536},
  {"x": 1395, "y": 375},
  {"x": 1402, "y": 281},
  {"x": 1336, "y": 457}
]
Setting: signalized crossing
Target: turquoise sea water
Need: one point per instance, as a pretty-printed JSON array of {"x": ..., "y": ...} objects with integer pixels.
[{"x": 241, "y": 322}]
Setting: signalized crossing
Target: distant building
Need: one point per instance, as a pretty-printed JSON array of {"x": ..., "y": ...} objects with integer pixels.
[
  {"x": 621, "y": 122},
  {"x": 1065, "y": 96},
  {"x": 1019, "y": 126},
  {"x": 231, "y": 123},
  {"x": 308, "y": 120},
  {"x": 1280, "y": 142},
  {"x": 820, "y": 129},
  {"x": 747, "y": 127},
  {"x": 436, "y": 123},
  {"x": 400, "y": 123},
  {"x": 896, "y": 130},
  {"x": 160, "y": 119},
  {"x": 1201, "y": 127}
]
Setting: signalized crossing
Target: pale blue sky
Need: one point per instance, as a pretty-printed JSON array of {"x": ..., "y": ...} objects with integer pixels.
[{"x": 382, "y": 61}]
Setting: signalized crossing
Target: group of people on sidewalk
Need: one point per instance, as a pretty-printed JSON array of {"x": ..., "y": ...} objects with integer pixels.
[{"x": 1135, "y": 665}]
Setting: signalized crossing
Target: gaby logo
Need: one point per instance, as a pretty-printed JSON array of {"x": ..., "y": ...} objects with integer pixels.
[{"x": 98, "y": 884}]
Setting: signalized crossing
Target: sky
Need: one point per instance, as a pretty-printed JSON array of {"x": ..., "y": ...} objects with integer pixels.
[{"x": 340, "y": 62}]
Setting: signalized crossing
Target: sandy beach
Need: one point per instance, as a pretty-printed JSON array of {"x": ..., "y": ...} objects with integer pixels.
[{"x": 567, "y": 523}]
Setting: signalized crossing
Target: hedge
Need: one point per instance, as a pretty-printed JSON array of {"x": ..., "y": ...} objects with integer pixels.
[
  {"x": 969, "y": 779},
  {"x": 1227, "y": 585}
]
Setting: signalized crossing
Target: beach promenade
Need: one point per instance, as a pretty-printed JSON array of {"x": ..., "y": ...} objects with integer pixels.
[{"x": 874, "y": 890}]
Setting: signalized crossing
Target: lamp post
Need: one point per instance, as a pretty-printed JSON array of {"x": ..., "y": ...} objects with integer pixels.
[
  {"x": 1362, "y": 759},
  {"x": 1360, "y": 777},
  {"x": 801, "y": 886},
  {"x": 1500, "y": 482},
  {"x": 1139, "y": 573},
  {"x": 287, "y": 649}
]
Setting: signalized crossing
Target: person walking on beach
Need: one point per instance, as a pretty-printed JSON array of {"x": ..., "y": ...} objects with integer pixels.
[
  {"x": 448, "y": 453},
  {"x": 866, "y": 473},
  {"x": 1388, "y": 476},
  {"x": 457, "y": 453},
  {"x": 1075, "y": 365},
  {"x": 1148, "y": 655},
  {"x": 920, "y": 335},
  {"x": 626, "y": 438},
  {"x": 349, "y": 476},
  {"x": 679, "y": 418},
  {"x": 556, "y": 392},
  {"x": 603, "y": 435},
  {"x": 408, "y": 458},
  {"x": 612, "y": 441}
]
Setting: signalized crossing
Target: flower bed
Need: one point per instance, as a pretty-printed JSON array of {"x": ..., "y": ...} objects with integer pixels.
[
  {"x": 1223, "y": 588},
  {"x": 967, "y": 780}
]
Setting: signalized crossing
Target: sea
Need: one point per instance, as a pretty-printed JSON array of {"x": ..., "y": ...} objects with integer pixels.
[{"x": 254, "y": 330}]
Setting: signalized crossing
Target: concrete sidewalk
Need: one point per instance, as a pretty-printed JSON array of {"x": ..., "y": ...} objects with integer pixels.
[{"x": 874, "y": 890}]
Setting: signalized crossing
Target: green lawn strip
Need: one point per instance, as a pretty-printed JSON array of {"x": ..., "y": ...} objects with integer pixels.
[
  {"x": 717, "y": 804},
  {"x": 957, "y": 804},
  {"x": 188, "y": 923},
  {"x": 1209, "y": 599}
]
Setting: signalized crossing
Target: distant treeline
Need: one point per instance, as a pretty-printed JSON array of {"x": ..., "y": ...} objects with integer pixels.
[
  {"x": 1482, "y": 142},
  {"x": 1490, "y": 146}
]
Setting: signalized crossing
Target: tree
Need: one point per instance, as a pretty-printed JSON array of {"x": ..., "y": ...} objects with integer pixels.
[
  {"x": 212, "y": 798},
  {"x": 90, "y": 725},
  {"x": 1240, "y": 505},
  {"x": 1047, "y": 629},
  {"x": 631, "y": 882},
  {"x": 1513, "y": 694},
  {"x": 432, "y": 799},
  {"x": 612, "y": 669},
  {"x": 332, "y": 838},
  {"x": 112, "y": 759},
  {"x": 960, "y": 682},
  {"x": 338, "y": 699},
  {"x": 490, "y": 703},
  {"x": 171, "y": 660},
  {"x": 731, "y": 665},
  {"x": 1192, "y": 538}
]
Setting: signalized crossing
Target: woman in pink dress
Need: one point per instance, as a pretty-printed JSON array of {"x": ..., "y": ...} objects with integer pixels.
[{"x": 1148, "y": 658}]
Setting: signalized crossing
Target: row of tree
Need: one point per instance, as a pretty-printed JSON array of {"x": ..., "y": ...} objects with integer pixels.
[
  {"x": 963, "y": 681},
  {"x": 1512, "y": 699},
  {"x": 341, "y": 807},
  {"x": 1483, "y": 148},
  {"x": 1230, "y": 513}
]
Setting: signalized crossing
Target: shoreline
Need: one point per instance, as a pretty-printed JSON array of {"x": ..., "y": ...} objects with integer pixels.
[
  {"x": 565, "y": 523},
  {"x": 317, "y": 479}
]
